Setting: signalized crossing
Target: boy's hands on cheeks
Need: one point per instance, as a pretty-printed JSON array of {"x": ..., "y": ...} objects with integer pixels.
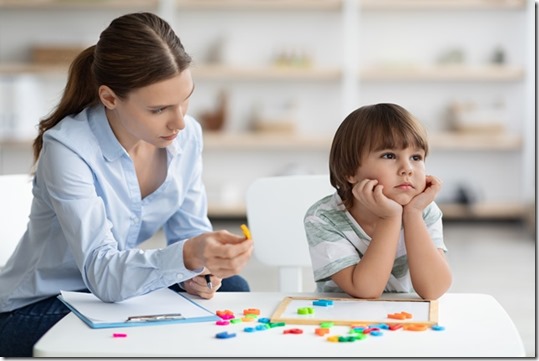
[
  {"x": 370, "y": 194},
  {"x": 423, "y": 199}
]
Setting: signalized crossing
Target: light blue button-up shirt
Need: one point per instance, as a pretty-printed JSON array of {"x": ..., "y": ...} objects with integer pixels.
[{"x": 88, "y": 216}]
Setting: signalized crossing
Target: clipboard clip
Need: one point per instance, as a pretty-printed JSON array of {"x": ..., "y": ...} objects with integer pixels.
[{"x": 160, "y": 317}]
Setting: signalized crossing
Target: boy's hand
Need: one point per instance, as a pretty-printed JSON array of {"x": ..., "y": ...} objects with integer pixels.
[
  {"x": 369, "y": 193},
  {"x": 423, "y": 199}
]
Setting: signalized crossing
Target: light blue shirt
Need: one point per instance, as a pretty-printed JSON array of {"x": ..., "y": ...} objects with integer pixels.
[{"x": 88, "y": 217}]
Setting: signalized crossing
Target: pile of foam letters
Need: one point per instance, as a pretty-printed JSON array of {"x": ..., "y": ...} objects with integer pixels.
[{"x": 356, "y": 331}]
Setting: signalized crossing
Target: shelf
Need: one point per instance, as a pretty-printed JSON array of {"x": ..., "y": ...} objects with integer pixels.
[
  {"x": 259, "y": 4},
  {"x": 475, "y": 141},
  {"x": 16, "y": 143},
  {"x": 268, "y": 141},
  {"x": 451, "y": 211},
  {"x": 211, "y": 72},
  {"x": 388, "y": 73},
  {"x": 443, "y": 73},
  {"x": 441, "y": 4},
  {"x": 264, "y": 141},
  {"x": 78, "y": 4},
  {"x": 268, "y": 4},
  {"x": 227, "y": 211},
  {"x": 283, "y": 141},
  {"x": 28, "y": 68},
  {"x": 489, "y": 210},
  {"x": 268, "y": 73}
]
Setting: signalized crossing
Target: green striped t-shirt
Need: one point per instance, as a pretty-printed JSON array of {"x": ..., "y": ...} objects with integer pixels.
[{"x": 337, "y": 241}]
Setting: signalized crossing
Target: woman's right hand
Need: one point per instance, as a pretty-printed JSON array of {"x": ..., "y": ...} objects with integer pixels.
[
  {"x": 224, "y": 254},
  {"x": 198, "y": 285}
]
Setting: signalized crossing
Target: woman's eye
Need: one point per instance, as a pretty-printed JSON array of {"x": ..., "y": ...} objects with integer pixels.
[{"x": 157, "y": 111}]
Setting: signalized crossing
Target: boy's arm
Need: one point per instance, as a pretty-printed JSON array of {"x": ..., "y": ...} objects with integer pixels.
[
  {"x": 369, "y": 277},
  {"x": 429, "y": 270}
]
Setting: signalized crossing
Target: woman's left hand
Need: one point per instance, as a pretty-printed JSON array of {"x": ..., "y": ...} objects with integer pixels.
[{"x": 199, "y": 287}]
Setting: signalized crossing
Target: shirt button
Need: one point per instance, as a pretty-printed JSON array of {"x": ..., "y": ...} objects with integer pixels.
[{"x": 179, "y": 275}]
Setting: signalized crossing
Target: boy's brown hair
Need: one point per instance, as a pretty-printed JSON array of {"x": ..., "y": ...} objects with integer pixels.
[{"x": 366, "y": 129}]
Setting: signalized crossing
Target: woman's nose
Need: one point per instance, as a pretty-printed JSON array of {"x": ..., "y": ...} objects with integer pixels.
[{"x": 177, "y": 123}]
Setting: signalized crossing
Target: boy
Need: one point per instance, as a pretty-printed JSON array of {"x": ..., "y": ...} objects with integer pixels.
[{"x": 381, "y": 231}]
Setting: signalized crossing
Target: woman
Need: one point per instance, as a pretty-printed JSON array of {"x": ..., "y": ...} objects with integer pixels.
[{"x": 116, "y": 161}]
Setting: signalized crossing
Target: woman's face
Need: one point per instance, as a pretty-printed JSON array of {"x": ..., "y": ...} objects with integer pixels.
[{"x": 153, "y": 114}]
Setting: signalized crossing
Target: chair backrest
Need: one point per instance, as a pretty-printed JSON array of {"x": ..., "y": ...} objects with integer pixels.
[
  {"x": 15, "y": 203},
  {"x": 276, "y": 207}
]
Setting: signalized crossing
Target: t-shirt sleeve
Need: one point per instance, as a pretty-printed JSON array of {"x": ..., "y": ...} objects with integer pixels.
[
  {"x": 433, "y": 219},
  {"x": 329, "y": 249}
]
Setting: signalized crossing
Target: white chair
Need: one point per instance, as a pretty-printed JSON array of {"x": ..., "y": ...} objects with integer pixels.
[
  {"x": 15, "y": 203},
  {"x": 276, "y": 207}
]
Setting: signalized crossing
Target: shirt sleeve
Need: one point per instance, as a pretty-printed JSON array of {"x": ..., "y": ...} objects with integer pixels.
[
  {"x": 109, "y": 273},
  {"x": 329, "y": 248},
  {"x": 433, "y": 219}
]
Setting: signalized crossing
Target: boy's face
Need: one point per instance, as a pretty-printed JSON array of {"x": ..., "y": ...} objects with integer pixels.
[{"x": 400, "y": 171}]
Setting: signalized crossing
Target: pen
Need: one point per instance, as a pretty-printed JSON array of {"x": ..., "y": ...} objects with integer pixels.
[
  {"x": 208, "y": 281},
  {"x": 246, "y": 231}
]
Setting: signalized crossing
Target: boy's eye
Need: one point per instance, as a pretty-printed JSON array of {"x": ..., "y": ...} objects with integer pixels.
[
  {"x": 388, "y": 156},
  {"x": 417, "y": 157}
]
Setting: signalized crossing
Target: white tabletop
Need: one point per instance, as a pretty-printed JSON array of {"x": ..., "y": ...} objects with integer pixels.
[{"x": 476, "y": 325}]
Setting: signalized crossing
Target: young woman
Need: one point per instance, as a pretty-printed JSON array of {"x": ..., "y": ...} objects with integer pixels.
[
  {"x": 381, "y": 231},
  {"x": 116, "y": 161}
]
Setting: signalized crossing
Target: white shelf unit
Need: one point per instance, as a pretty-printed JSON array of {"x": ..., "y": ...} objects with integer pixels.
[
  {"x": 361, "y": 52},
  {"x": 495, "y": 169}
]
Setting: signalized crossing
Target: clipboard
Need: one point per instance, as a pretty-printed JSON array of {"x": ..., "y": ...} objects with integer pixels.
[{"x": 159, "y": 307}]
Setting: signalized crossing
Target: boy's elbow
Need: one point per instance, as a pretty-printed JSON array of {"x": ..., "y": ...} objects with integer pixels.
[
  {"x": 366, "y": 293},
  {"x": 430, "y": 295},
  {"x": 433, "y": 293}
]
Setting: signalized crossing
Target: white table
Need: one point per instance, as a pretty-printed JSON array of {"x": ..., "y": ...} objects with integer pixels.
[{"x": 476, "y": 326}]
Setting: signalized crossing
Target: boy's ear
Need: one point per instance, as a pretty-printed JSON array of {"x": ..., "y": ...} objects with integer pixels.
[
  {"x": 351, "y": 179},
  {"x": 108, "y": 97}
]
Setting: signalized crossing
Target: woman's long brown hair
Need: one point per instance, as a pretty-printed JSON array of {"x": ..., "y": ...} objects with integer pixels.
[{"x": 134, "y": 51}]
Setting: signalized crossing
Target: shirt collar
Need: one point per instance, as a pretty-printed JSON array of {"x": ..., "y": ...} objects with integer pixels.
[{"x": 109, "y": 144}]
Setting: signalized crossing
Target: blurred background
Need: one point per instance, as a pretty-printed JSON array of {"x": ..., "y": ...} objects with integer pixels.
[{"x": 275, "y": 78}]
